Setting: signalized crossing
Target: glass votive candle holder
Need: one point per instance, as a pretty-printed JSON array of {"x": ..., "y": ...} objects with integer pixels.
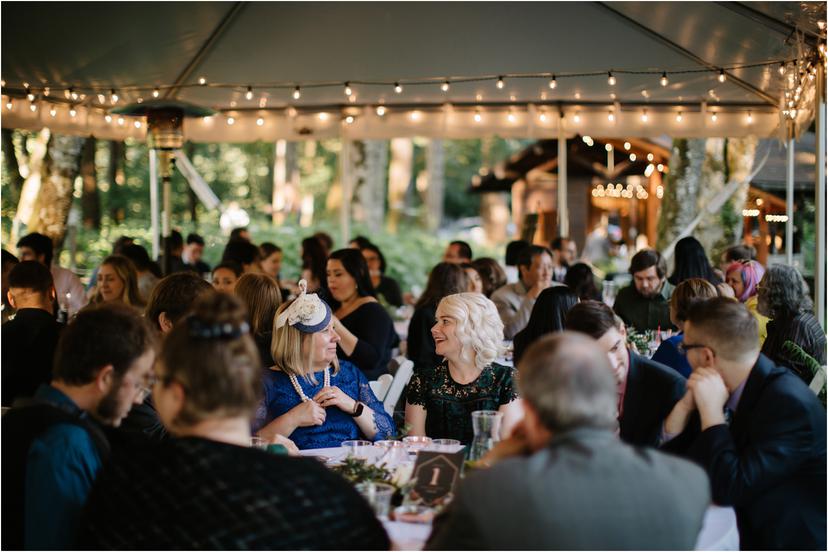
[
  {"x": 378, "y": 496},
  {"x": 414, "y": 513},
  {"x": 416, "y": 443},
  {"x": 358, "y": 449},
  {"x": 388, "y": 443},
  {"x": 392, "y": 453},
  {"x": 444, "y": 445}
]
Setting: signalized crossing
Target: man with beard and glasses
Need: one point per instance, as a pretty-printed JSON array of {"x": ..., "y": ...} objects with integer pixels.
[
  {"x": 645, "y": 304},
  {"x": 53, "y": 445}
]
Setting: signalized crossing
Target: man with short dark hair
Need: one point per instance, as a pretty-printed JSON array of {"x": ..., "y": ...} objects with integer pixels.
[
  {"x": 170, "y": 260},
  {"x": 52, "y": 445},
  {"x": 458, "y": 252},
  {"x": 646, "y": 389},
  {"x": 70, "y": 292},
  {"x": 572, "y": 485},
  {"x": 514, "y": 302},
  {"x": 564, "y": 253},
  {"x": 30, "y": 339},
  {"x": 193, "y": 252},
  {"x": 756, "y": 428},
  {"x": 645, "y": 304}
]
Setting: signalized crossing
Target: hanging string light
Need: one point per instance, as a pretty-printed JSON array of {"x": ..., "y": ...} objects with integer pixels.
[
  {"x": 645, "y": 116},
  {"x": 553, "y": 82},
  {"x": 259, "y": 121},
  {"x": 750, "y": 118},
  {"x": 678, "y": 117},
  {"x": 249, "y": 94},
  {"x": 577, "y": 117},
  {"x": 113, "y": 96},
  {"x": 156, "y": 92},
  {"x": 398, "y": 88},
  {"x": 477, "y": 116},
  {"x": 722, "y": 76},
  {"x": 381, "y": 110},
  {"x": 33, "y": 107},
  {"x": 611, "y": 116},
  {"x": 664, "y": 81},
  {"x": 347, "y": 89},
  {"x": 108, "y": 118},
  {"x": 500, "y": 84},
  {"x": 53, "y": 111},
  {"x": 231, "y": 120},
  {"x": 46, "y": 91},
  {"x": 714, "y": 117},
  {"x": 202, "y": 81},
  {"x": 445, "y": 86},
  {"x": 297, "y": 93},
  {"x": 120, "y": 121},
  {"x": 349, "y": 119},
  {"x": 72, "y": 112},
  {"x": 611, "y": 79}
]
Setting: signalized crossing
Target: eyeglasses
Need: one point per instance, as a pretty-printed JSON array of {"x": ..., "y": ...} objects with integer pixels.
[
  {"x": 145, "y": 389},
  {"x": 684, "y": 347}
]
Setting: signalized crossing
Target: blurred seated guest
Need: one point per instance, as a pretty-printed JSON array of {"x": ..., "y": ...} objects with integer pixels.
[
  {"x": 70, "y": 292},
  {"x": 314, "y": 413},
  {"x": 644, "y": 304},
  {"x": 171, "y": 261},
  {"x": 741, "y": 252},
  {"x": 513, "y": 249},
  {"x": 30, "y": 339},
  {"x": 239, "y": 233},
  {"x": 515, "y": 301},
  {"x": 755, "y": 427},
  {"x": 366, "y": 331},
  {"x": 445, "y": 279},
  {"x": 691, "y": 262},
  {"x": 225, "y": 276},
  {"x": 9, "y": 262},
  {"x": 548, "y": 316},
  {"x": 491, "y": 274},
  {"x": 743, "y": 277},
  {"x": 118, "y": 282},
  {"x": 567, "y": 454},
  {"x": 193, "y": 252},
  {"x": 261, "y": 296},
  {"x": 386, "y": 288},
  {"x": 271, "y": 255},
  {"x": 148, "y": 272},
  {"x": 784, "y": 298},
  {"x": 358, "y": 242},
  {"x": 686, "y": 294},
  {"x": 441, "y": 399},
  {"x": 207, "y": 488},
  {"x": 53, "y": 446},
  {"x": 580, "y": 279},
  {"x": 117, "y": 249},
  {"x": 314, "y": 262},
  {"x": 171, "y": 300},
  {"x": 325, "y": 240},
  {"x": 243, "y": 253},
  {"x": 475, "y": 281},
  {"x": 646, "y": 390},
  {"x": 458, "y": 252},
  {"x": 564, "y": 253}
]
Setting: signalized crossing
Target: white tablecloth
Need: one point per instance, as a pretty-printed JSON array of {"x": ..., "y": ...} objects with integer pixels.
[{"x": 719, "y": 531}]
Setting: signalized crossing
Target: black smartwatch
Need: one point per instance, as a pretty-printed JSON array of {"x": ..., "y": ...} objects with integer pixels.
[{"x": 358, "y": 410}]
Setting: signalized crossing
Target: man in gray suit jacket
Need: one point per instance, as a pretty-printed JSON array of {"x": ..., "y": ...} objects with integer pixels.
[{"x": 575, "y": 486}]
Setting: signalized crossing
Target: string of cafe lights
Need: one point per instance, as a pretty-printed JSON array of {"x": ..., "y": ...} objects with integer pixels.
[{"x": 795, "y": 72}]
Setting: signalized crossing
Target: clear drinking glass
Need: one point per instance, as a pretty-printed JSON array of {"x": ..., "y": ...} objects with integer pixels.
[
  {"x": 486, "y": 425},
  {"x": 358, "y": 449},
  {"x": 610, "y": 290},
  {"x": 393, "y": 453},
  {"x": 416, "y": 443},
  {"x": 378, "y": 496},
  {"x": 444, "y": 445}
]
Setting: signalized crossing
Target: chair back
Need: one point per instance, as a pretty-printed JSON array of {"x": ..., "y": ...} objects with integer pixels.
[
  {"x": 401, "y": 377},
  {"x": 381, "y": 385}
]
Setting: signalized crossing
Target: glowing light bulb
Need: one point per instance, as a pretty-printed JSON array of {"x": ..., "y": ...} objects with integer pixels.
[
  {"x": 381, "y": 110},
  {"x": 46, "y": 91},
  {"x": 445, "y": 86},
  {"x": 542, "y": 117},
  {"x": 714, "y": 117},
  {"x": 347, "y": 89},
  {"x": 611, "y": 79},
  {"x": 660, "y": 167},
  {"x": 202, "y": 81},
  {"x": 577, "y": 117},
  {"x": 663, "y": 81},
  {"x": 397, "y": 88},
  {"x": 231, "y": 120},
  {"x": 750, "y": 118},
  {"x": 632, "y": 157},
  {"x": 611, "y": 116},
  {"x": 678, "y": 117},
  {"x": 73, "y": 94},
  {"x": 30, "y": 96},
  {"x": 627, "y": 146},
  {"x": 53, "y": 112},
  {"x": 553, "y": 83},
  {"x": 415, "y": 115},
  {"x": 156, "y": 93},
  {"x": 323, "y": 116},
  {"x": 782, "y": 68},
  {"x": 478, "y": 117},
  {"x": 137, "y": 124},
  {"x": 722, "y": 76},
  {"x": 349, "y": 119},
  {"x": 73, "y": 112},
  {"x": 249, "y": 94},
  {"x": 645, "y": 116},
  {"x": 608, "y": 147},
  {"x": 650, "y": 157},
  {"x": 297, "y": 93},
  {"x": 500, "y": 84},
  {"x": 259, "y": 122},
  {"x": 511, "y": 117},
  {"x": 108, "y": 118},
  {"x": 113, "y": 96},
  {"x": 120, "y": 121},
  {"x": 101, "y": 99}
]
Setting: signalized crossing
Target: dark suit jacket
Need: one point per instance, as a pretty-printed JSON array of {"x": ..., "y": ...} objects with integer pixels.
[
  {"x": 770, "y": 463},
  {"x": 652, "y": 391},
  {"x": 28, "y": 344},
  {"x": 586, "y": 491}
]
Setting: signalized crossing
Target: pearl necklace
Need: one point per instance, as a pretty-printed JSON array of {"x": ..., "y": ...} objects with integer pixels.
[{"x": 326, "y": 382}]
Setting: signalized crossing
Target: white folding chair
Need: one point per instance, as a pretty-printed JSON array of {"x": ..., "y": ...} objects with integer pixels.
[
  {"x": 401, "y": 377},
  {"x": 818, "y": 382},
  {"x": 381, "y": 385}
]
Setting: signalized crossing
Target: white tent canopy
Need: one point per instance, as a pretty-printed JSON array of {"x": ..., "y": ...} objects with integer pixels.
[{"x": 273, "y": 47}]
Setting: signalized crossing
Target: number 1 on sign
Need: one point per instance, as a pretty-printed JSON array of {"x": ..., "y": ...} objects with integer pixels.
[{"x": 435, "y": 476}]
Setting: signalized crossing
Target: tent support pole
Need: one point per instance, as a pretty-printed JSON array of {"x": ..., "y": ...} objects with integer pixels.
[
  {"x": 563, "y": 206},
  {"x": 154, "y": 202},
  {"x": 819, "y": 186},
  {"x": 345, "y": 184},
  {"x": 789, "y": 199},
  {"x": 166, "y": 191}
]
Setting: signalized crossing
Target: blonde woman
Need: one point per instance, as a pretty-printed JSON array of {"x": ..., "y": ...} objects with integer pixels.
[
  {"x": 469, "y": 335},
  {"x": 309, "y": 395},
  {"x": 118, "y": 281}
]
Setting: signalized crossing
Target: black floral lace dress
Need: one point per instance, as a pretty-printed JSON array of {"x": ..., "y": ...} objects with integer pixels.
[{"x": 449, "y": 405}]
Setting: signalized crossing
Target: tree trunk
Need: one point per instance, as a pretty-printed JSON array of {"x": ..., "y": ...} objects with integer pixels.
[
  {"x": 38, "y": 144},
  {"x": 51, "y": 207},
  {"x": 116, "y": 179},
  {"x": 90, "y": 199},
  {"x": 436, "y": 184},
  {"x": 399, "y": 178},
  {"x": 369, "y": 176},
  {"x": 12, "y": 166}
]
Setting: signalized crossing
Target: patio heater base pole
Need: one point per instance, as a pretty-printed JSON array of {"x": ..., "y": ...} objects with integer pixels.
[
  {"x": 819, "y": 185},
  {"x": 156, "y": 249},
  {"x": 563, "y": 207},
  {"x": 789, "y": 199}
]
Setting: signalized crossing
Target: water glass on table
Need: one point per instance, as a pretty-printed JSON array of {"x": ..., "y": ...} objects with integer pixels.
[
  {"x": 378, "y": 496},
  {"x": 486, "y": 425},
  {"x": 444, "y": 445},
  {"x": 416, "y": 443},
  {"x": 359, "y": 449}
]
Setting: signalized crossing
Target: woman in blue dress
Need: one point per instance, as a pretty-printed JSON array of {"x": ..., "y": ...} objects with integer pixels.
[{"x": 309, "y": 395}]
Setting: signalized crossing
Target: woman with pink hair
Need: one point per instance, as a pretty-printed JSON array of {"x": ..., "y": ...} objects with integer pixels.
[{"x": 744, "y": 277}]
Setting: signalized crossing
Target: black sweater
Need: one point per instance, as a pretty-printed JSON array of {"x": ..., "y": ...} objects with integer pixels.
[{"x": 376, "y": 337}]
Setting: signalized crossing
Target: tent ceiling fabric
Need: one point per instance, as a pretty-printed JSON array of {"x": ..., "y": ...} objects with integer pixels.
[{"x": 122, "y": 45}]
